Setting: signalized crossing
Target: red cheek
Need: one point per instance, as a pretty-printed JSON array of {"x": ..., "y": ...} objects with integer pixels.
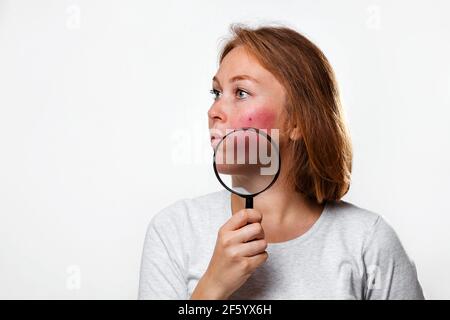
[{"x": 261, "y": 119}]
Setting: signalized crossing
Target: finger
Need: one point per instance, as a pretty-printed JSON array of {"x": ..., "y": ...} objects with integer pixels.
[
  {"x": 248, "y": 233},
  {"x": 254, "y": 216},
  {"x": 241, "y": 218},
  {"x": 252, "y": 248},
  {"x": 256, "y": 260}
]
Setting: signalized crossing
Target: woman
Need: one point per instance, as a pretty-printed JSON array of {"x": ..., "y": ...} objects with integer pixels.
[{"x": 301, "y": 241}]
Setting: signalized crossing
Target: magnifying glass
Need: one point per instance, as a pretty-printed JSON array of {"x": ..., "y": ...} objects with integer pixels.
[{"x": 247, "y": 162}]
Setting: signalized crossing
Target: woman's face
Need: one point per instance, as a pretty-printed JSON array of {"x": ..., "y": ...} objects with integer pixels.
[{"x": 245, "y": 95}]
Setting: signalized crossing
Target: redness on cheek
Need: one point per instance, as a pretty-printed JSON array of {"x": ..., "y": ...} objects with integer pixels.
[{"x": 261, "y": 119}]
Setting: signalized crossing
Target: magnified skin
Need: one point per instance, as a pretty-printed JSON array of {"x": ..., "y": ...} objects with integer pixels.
[{"x": 247, "y": 156}]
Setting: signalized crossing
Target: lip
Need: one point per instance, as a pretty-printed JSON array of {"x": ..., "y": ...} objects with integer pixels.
[
  {"x": 216, "y": 134},
  {"x": 214, "y": 141},
  {"x": 213, "y": 137}
]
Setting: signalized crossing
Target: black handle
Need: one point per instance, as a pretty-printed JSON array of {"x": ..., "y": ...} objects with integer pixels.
[{"x": 249, "y": 202}]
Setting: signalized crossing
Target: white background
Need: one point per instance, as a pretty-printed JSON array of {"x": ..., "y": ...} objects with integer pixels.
[{"x": 103, "y": 123}]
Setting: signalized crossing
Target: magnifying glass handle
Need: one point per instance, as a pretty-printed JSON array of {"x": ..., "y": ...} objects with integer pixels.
[{"x": 249, "y": 202}]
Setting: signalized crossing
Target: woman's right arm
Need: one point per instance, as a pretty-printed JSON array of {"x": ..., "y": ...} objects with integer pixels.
[{"x": 240, "y": 249}]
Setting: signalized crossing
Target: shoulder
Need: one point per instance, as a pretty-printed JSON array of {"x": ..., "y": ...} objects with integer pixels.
[
  {"x": 349, "y": 216},
  {"x": 361, "y": 225},
  {"x": 368, "y": 228},
  {"x": 210, "y": 201}
]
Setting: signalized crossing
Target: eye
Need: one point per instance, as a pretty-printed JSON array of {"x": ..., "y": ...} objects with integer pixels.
[
  {"x": 215, "y": 92},
  {"x": 241, "y": 94}
]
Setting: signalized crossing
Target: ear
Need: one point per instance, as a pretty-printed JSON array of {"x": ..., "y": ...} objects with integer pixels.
[{"x": 295, "y": 134}]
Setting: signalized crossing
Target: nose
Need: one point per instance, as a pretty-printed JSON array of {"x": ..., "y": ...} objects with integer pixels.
[{"x": 216, "y": 113}]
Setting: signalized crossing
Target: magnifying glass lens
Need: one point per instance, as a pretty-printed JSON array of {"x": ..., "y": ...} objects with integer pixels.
[{"x": 247, "y": 161}]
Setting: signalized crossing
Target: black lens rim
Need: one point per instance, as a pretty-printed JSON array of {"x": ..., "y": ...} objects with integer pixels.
[{"x": 275, "y": 177}]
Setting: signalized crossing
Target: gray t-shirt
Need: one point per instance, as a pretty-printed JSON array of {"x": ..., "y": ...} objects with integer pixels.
[{"x": 349, "y": 253}]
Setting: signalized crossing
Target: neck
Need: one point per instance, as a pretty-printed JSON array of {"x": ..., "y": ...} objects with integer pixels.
[{"x": 280, "y": 205}]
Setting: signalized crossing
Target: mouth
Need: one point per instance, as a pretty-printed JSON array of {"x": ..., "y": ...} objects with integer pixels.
[
  {"x": 215, "y": 139},
  {"x": 215, "y": 135}
]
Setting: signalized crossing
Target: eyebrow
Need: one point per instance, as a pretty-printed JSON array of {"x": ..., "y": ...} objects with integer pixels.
[{"x": 237, "y": 78}]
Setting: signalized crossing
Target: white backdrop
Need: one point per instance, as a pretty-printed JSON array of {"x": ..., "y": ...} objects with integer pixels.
[{"x": 103, "y": 123}]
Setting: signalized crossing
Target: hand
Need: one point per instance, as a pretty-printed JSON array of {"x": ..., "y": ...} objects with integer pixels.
[{"x": 240, "y": 249}]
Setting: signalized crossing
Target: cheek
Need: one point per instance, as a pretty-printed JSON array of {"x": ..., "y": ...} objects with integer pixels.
[{"x": 256, "y": 118}]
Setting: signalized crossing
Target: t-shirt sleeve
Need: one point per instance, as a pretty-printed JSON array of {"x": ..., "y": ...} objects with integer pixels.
[
  {"x": 389, "y": 273},
  {"x": 162, "y": 275}
]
